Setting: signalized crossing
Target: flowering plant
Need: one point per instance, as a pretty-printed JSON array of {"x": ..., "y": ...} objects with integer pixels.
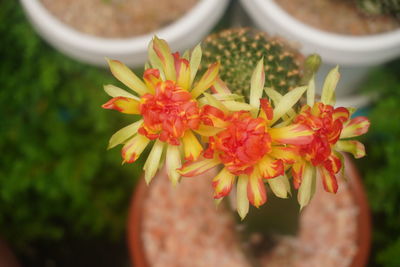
[{"x": 259, "y": 142}]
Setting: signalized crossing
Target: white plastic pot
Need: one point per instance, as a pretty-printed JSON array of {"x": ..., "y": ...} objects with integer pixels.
[
  {"x": 184, "y": 33},
  {"x": 355, "y": 55}
]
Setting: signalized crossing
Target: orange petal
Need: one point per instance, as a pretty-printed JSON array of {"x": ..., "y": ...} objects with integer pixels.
[
  {"x": 267, "y": 112},
  {"x": 256, "y": 190},
  {"x": 295, "y": 134},
  {"x": 333, "y": 163},
  {"x": 123, "y": 105},
  {"x": 341, "y": 114},
  {"x": 270, "y": 168},
  {"x": 355, "y": 127},
  {"x": 329, "y": 180},
  {"x": 223, "y": 183}
]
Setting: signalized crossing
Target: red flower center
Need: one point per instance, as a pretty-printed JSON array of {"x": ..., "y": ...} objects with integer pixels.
[
  {"x": 169, "y": 113},
  {"x": 242, "y": 144},
  {"x": 327, "y": 124}
]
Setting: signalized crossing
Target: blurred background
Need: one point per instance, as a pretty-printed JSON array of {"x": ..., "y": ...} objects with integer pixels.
[{"x": 64, "y": 198}]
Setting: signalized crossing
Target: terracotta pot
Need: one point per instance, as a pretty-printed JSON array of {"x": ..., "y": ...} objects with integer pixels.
[
  {"x": 7, "y": 258},
  {"x": 135, "y": 220}
]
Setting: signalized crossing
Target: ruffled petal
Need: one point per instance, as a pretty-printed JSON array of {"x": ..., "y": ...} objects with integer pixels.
[{"x": 123, "y": 105}]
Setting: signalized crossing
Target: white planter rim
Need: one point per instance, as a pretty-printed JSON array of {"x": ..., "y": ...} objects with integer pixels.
[
  {"x": 329, "y": 40},
  {"x": 104, "y": 45}
]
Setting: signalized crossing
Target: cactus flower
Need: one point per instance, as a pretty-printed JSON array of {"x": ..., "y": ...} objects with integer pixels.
[
  {"x": 166, "y": 100},
  {"x": 249, "y": 149},
  {"x": 332, "y": 129}
]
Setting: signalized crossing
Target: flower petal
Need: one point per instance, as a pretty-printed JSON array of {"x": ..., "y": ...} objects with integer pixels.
[
  {"x": 328, "y": 89},
  {"x": 223, "y": 183},
  {"x": 194, "y": 63},
  {"x": 173, "y": 162},
  {"x": 354, "y": 147},
  {"x": 287, "y": 102},
  {"x": 270, "y": 168},
  {"x": 242, "y": 202},
  {"x": 123, "y": 105},
  {"x": 256, "y": 189},
  {"x": 133, "y": 148},
  {"x": 298, "y": 173},
  {"x": 307, "y": 187},
  {"x": 287, "y": 154},
  {"x": 151, "y": 78},
  {"x": 123, "y": 134},
  {"x": 219, "y": 87},
  {"x": 163, "y": 52},
  {"x": 355, "y": 127},
  {"x": 127, "y": 77},
  {"x": 238, "y": 106},
  {"x": 328, "y": 179},
  {"x": 311, "y": 92},
  {"x": 295, "y": 134},
  {"x": 213, "y": 116},
  {"x": 198, "y": 167},
  {"x": 206, "y": 81},
  {"x": 211, "y": 100},
  {"x": 280, "y": 186},
  {"x": 115, "y": 91},
  {"x": 205, "y": 130},
  {"x": 257, "y": 85},
  {"x": 191, "y": 146},
  {"x": 153, "y": 160},
  {"x": 182, "y": 71}
]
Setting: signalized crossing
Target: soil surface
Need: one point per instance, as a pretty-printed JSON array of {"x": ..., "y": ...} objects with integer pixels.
[
  {"x": 118, "y": 18},
  {"x": 183, "y": 227},
  {"x": 338, "y": 16}
]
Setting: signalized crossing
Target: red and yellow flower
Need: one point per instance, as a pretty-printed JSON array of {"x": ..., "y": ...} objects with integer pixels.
[
  {"x": 332, "y": 129},
  {"x": 166, "y": 100},
  {"x": 248, "y": 148}
]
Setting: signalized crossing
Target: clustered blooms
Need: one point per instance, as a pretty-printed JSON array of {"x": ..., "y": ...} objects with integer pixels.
[{"x": 256, "y": 143}]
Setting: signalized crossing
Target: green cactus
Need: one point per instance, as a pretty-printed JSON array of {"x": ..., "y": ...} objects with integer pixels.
[
  {"x": 376, "y": 7},
  {"x": 239, "y": 50}
]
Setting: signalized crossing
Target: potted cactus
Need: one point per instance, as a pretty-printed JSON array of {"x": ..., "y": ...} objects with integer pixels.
[
  {"x": 252, "y": 141},
  {"x": 355, "y": 54}
]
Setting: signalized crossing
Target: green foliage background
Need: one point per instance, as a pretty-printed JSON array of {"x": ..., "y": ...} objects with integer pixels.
[
  {"x": 381, "y": 166},
  {"x": 56, "y": 176},
  {"x": 57, "y": 179}
]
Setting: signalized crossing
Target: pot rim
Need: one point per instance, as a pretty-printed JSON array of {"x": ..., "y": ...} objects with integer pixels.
[
  {"x": 303, "y": 31},
  {"x": 134, "y": 223}
]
